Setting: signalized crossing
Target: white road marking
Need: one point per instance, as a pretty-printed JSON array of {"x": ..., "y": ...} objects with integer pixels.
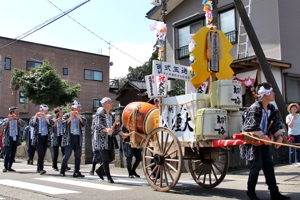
[
  {"x": 1, "y": 198},
  {"x": 83, "y": 184},
  {"x": 35, "y": 187}
]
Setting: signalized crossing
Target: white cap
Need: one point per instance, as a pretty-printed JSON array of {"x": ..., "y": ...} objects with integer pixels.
[
  {"x": 43, "y": 107},
  {"x": 105, "y": 99}
]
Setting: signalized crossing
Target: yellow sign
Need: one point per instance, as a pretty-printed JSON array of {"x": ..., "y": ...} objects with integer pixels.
[{"x": 200, "y": 53}]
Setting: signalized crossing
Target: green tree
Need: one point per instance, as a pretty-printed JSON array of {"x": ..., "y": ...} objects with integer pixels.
[{"x": 42, "y": 85}]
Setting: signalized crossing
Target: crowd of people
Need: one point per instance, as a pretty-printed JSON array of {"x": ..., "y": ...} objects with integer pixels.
[{"x": 65, "y": 132}]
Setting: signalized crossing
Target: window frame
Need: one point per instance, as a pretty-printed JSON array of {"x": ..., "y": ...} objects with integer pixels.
[
  {"x": 287, "y": 87},
  {"x": 101, "y": 79},
  {"x": 7, "y": 58},
  {"x": 65, "y": 71},
  {"x": 189, "y": 21},
  {"x": 231, "y": 35},
  {"x": 21, "y": 96},
  {"x": 96, "y": 107},
  {"x": 29, "y": 61}
]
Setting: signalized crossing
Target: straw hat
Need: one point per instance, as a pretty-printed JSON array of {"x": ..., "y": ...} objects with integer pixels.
[{"x": 291, "y": 105}]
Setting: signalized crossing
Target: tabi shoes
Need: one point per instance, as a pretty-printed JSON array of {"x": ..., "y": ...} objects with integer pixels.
[
  {"x": 11, "y": 170},
  {"x": 110, "y": 180},
  {"x": 99, "y": 173}
]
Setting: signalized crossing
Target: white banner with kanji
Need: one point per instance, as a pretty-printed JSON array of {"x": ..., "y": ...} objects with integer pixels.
[
  {"x": 156, "y": 85},
  {"x": 171, "y": 70}
]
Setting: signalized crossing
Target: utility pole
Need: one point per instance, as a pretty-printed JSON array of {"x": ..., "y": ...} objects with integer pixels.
[{"x": 264, "y": 65}]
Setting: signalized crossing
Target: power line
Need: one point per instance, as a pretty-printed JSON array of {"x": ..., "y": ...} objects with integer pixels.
[
  {"x": 110, "y": 45},
  {"x": 46, "y": 23}
]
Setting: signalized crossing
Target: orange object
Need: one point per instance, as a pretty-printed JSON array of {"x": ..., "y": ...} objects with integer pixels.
[{"x": 141, "y": 117}]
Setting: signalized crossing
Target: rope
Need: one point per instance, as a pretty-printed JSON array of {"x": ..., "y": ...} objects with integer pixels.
[
  {"x": 248, "y": 137},
  {"x": 134, "y": 131}
]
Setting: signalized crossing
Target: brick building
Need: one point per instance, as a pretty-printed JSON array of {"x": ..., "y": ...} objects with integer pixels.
[{"x": 88, "y": 69}]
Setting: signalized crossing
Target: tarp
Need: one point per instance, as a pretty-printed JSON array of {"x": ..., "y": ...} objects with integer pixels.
[{"x": 246, "y": 78}]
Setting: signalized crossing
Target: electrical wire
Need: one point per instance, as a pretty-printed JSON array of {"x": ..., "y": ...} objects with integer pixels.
[
  {"x": 44, "y": 24},
  {"x": 97, "y": 35}
]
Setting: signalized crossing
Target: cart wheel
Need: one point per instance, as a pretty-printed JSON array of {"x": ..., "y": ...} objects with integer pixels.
[
  {"x": 162, "y": 159},
  {"x": 210, "y": 168}
]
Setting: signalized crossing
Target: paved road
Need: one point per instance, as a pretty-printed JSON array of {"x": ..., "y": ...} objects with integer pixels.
[{"x": 26, "y": 184}]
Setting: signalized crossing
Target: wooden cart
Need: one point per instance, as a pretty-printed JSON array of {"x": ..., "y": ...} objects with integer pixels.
[{"x": 165, "y": 148}]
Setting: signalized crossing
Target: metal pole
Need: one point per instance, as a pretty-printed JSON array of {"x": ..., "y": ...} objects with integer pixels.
[{"x": 265, "y": 67}]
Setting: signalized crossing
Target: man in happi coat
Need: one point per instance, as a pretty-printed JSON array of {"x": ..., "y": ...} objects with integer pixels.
[
  {"x": 27, "y": 136},
  {"x": 11, "y": 137},
  {"x": 42, "y": 125},
  {"x": 72, "y": 124},
  {"x": 105, "y": 133},
  {"x": 262, "y": 119}
]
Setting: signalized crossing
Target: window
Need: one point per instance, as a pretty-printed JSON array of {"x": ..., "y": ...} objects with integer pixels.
[
  {"x": 292, "y": 89},
  {"x": 31, "y": 64},
  {"x": 227, "y": 24},
  {"x": 92, "y": 75},
  {"x": 184, "y": 38},
  {"x": 21, "y": 97},
  {"x": 65, "y": 71},
  {"x": 7, "y": 64},
  {"x": 96, "y": 104}
]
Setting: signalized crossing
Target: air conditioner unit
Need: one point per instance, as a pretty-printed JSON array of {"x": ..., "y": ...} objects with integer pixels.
[{"x": 156, "y": 2}]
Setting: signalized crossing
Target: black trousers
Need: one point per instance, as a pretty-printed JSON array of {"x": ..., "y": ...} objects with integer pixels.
[
  {"x": 75, "y": 145},
  {"x": 107, "y": 157},
  {"x": 41, "y": 150},
  {"x": 30, "y": 150},
  {"x": 10, "y": 153},
  {"x": 55, "y": 152}
]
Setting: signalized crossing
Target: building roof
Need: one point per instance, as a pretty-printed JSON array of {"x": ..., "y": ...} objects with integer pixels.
[
  {"x": 132, "y": 83},
  {"x": 251, "y": 63},
  {"x": 45, "y": 45}
]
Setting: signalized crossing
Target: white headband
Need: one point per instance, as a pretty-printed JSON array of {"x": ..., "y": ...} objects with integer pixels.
[
  {"x": 43, "y": 107},
  {"x": 105, "y": 99},
  {"x": 263, "y": 91},
  {"x": 75, "y": 104}
]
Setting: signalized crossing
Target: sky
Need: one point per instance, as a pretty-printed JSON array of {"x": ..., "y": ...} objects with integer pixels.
[{"x": 120, "y": 22}]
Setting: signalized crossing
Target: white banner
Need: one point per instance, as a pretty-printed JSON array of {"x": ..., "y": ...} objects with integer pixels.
[
  {"x": 171, "y": 70},
  {"x": 156, "y": 85}
]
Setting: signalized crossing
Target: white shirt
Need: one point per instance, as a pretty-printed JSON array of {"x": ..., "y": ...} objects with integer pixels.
[{"x": 295, "y": 129}]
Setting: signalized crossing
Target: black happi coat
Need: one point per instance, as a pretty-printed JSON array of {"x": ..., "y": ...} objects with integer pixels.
[
  {"x": 252, "y": 120},
  {"x": 104, "y": 141},
  {"x": 66, "y": 136},
  {"x": 36, "y": 135},
  {"x": 6, "y": 134}
]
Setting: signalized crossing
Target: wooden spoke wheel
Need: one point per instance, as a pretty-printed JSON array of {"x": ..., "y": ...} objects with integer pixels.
[
  {"x": 162, "y": 159},
  {"x": 210, "y": 168}
]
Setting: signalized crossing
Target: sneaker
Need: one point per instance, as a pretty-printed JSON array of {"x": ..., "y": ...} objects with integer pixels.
[
  {"x": 11, "y": 170},
  {"x": 92, "y": 173},
  {"x": 295, "y": 165},
  {"x": 4, "y": 170},
  {"x": 78, "y": 174},
  {"x": 62, "y": 174},
  {"x": 68, "y": 168},
  {"x": 42, "y": 172},
  {"x": 55, "y": 169}
]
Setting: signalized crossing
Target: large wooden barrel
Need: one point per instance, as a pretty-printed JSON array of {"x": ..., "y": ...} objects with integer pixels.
[{"x": 146, "y": 117}]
